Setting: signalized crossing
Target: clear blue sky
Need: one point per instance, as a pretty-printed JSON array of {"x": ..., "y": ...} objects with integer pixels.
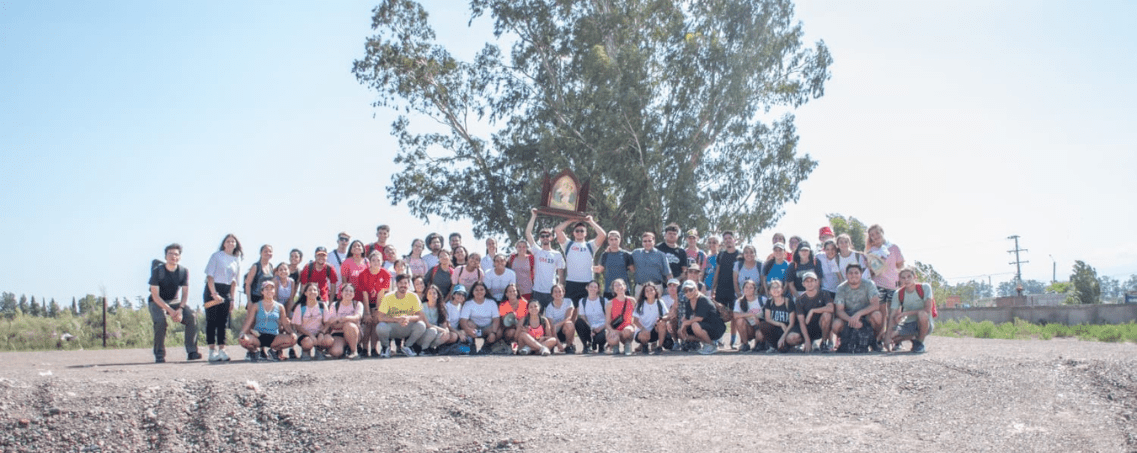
[{"x": 127, "y": 126}]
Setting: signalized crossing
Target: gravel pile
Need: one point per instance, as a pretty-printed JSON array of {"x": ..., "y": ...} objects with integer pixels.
[{"x": 963, "y": 395}]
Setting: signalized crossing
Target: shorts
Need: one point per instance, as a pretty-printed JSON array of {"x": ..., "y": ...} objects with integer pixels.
[
  {"x": 337, "y": 334},
  {"x": 813, "y": 327},
  {"x": 561, "y": 336},
  {"x": 713, "y": 330},
  {"x": 301, "y": 338},
  {"x": 654, "y": 335},
  {"x": 912, "y": 328},
  {"x": 266, "y": 339},
  {"x": 886, "y": 296}
]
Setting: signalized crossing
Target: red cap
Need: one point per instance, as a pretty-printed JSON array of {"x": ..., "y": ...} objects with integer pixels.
[{"x": 824, "y": 231}]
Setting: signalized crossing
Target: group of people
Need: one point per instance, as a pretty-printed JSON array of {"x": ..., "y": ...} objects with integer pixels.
[{"x": 365, "y": 300}]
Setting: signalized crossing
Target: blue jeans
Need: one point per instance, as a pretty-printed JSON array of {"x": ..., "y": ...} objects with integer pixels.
[{"x": 159, "y": 317}]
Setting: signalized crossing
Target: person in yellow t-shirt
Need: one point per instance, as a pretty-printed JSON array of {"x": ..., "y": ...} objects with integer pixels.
[{"x": 400, "y": 316}]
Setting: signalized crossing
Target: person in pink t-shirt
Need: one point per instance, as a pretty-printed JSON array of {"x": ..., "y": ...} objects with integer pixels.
[{"x": 885, "y": 261}]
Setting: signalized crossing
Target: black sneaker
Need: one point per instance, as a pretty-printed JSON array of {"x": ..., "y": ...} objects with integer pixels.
[
  {"x": 159, "y": 360},
  {"x": 744, "y": 348},
  {"x": 291, "y": 353},
  {"x": 571, "y": 349},
  {"x": 917, "y": 346},
  {"x": 192, "y": 356},
  {"x": 251, "y": 357},
  {"x": 273, "y": 357},
  {"x": 262, "y": 355},
  {"x": 876, "y": 346}
]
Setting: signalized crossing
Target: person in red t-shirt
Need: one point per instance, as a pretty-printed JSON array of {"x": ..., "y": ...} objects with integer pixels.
[
  {"x": 374, "y": 282},
  {"x": 321, "y": 273}
]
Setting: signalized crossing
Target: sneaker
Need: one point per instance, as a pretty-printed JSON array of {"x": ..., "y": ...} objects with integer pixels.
[
  {"x": 353, "y": 356},
  {"x": 525, "y": 350},
  {"x": 263, "y": 356},
  {"x": 305, "y": 356},
  {"x": 824, "y": 346},
  {"x": 291, "y": 353},
  {"x": 616, "y": 349},
  {"x": 320, "y": 355},
  {"x": 221, "y": 355},
  {"x": 193, "y": 356},
  {"x": 744, "y": 347},
  {"x": 571, "y": 349},
  {"x": 273, "y": 357},
  {"x": 876, "y": 346},
  {"x": 657, "y": 350},
  {"x": 628, "y": 348},
  {"x": 708, "y": 349},
  {"x": 251, "y": 357},
  {"x": 545, "y": 351},
  {"x": 386, "y": 354},
  {"x": 213, "y": 356},
  {"x": 407, "y": 351},
  {"x": 159, "y": 360},
  {"x": 770, "y": 349},
  {"x": 918, "y": 346}
]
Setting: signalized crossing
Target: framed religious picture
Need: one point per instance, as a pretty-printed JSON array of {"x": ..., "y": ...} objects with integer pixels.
[{"x": 563, "y": 195}]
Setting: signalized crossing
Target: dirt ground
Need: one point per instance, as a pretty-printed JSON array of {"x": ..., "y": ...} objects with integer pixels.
[{"x": 963, "y": 395}]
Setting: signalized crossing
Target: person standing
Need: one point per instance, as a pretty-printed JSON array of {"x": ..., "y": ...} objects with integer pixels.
[
  {"x": 775, "y": 267},
  {"x": 550, "y": 264},
  {"x": 416, "y": 263},
  {"x": 499, "y": 277},
  {"x": 885, "y": 262},
  {"x": 434, "y": 244},
  {"x": 711, "y": 263},
  {"x": 382, "y": 232},
  {"x": 615, "y": 263},
  {"x": 722, "y": 287},
  {"x": 579, "y": 252},
  {"x": 220, "y": 289},
  {"x": 673, "y": 251},
  {"x": 169, "y": 289},
  {"x": 651, "y": 266},
  {"x": 322, "y": 273},
  {"x": 522, "y": 263},
  {"x": 491, "y": 252},
  {"x": 261, "y": 271},
  {"x": 803, "y": 261},
  {"x": 339, "y": 255}
]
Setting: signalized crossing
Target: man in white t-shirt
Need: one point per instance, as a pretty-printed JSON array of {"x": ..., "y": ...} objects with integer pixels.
[
  {"x": 549, "y": 264},
  {"x": 579, "y": 253},
  {"x": 339, "y": 255}
]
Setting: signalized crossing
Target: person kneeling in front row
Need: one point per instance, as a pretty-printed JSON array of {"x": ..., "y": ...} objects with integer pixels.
[
  {"x": 268, "y": 320},
  {"x": 400, "y": 316},
  {"x": 912, "y": 311}
]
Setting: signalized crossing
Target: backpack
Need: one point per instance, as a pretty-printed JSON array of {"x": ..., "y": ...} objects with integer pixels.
[
  {"x": 454, "y": 349},
  {"x": 919, "y": 292},
  {"x": 857, "y": 341}
]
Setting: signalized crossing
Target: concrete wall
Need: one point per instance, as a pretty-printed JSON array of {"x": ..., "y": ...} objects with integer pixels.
[{"x": 1066, "y": 314}]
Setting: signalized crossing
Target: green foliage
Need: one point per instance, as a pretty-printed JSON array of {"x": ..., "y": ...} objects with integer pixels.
[
  {"x": 1085, "y": 281},
  {"x": 1021, "y": 329},
  {"x": 849, "y": 225},
  {"x": 1007, "y": 288},
  {"x": 1059, "y": 288},
  {"x": 639, "y": 99}
]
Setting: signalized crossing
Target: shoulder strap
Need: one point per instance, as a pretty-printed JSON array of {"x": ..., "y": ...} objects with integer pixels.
[
  {"x": 308, "y": 271},
  {"x": 920, "y": 290}
]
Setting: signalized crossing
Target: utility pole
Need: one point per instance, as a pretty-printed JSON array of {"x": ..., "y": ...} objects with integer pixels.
[
  {"x": 1054, "y": 277},
  {"x": 1018, "y": 264}
]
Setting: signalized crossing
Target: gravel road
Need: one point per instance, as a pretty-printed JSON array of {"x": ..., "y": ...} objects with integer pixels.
[{"x": 963, "y": 395}]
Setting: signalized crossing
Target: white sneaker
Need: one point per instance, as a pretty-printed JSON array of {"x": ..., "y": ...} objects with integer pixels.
[
  {"x": 221, "y": 355},
  {"x": 525, "y": 350},
  {"x": 545, "y": 351},
  {"x": 708, "y": 349},
  {"x": 628, "y": 348},
  {"x": 213, "y": 356},
  {"x": 386, "y": 354},
  {"x": 407, "y": 351}
]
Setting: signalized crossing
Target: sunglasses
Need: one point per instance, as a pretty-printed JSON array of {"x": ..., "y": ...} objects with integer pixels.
[
  {"x": 545, "y": 235},
  {"x": 344, "y": 239}
]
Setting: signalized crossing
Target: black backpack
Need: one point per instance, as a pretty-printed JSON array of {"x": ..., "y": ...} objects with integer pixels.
[{"x": 857, "y": 341}]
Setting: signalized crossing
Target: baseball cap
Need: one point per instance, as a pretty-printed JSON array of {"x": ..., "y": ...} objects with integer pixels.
[
  {"x": 693, "y": 233},
  {"x": 673, "y": 281},
  {"x": 808, "y": 275},
  {"x": 321, "y": 249},
  {"x": 459, "y": 289},
  {"x": 825, "y": 231},
  {"x": 804, "y": 245},
  {"x": 779, "y": 245},
  {"x": 689, "y": 285}
]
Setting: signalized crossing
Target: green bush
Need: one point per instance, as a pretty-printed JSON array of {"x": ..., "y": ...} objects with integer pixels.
[{"x": 1021, "y": 329}]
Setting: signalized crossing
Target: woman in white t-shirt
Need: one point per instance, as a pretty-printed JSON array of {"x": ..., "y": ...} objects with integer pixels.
[
  {"x": 590, "y": 323},
  {"x": 562, "y": 316},
  {"x": 747, "y": 313},
  {"x": 830, "y": 268},
  {"x": 647, "y": 319},
  {"x": 454, "y": 315},
  {"x": 480, "y": 318}
]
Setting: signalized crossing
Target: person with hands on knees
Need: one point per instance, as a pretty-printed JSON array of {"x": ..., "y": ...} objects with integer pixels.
[
  {"x": 912, "y": 311},
  {"x": 480, "y": 319},
  {"x": 341, "y": 322},
  {"x": 814, "y": 312},
  {"x": 170, "y": 281},
  {"x": 400, "y": 316},
  {"x": 307, "y": 324},
  {"x": 268, "y": 321},
  {"x": 703, "y": 322},
  {"x": 618, "y": 317},
  {"x": 779, "y": 320}
]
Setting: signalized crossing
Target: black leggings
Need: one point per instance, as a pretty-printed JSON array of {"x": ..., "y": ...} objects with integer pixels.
[
  {"x": 584, "y": 331},
  {"x": 217, "y": 316}
]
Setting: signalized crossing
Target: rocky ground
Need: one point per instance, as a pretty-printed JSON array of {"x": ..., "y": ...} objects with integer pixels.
[{"x": 963, "y": 395}]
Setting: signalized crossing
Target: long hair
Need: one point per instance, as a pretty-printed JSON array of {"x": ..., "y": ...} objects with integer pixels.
[
  {"x": 236, "y": 250},
  {"x": 643, "y": 298}
]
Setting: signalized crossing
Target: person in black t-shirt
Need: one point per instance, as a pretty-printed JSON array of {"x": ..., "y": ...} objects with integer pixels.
[
  {"x": 723, "y": 285},
  {"x": 673, "y": 251},
  {"x": 814, "y": 311},
  {"x": 778, "y": 323},
  {"x": 703, "y": 321},
  {"x": 169, "y": 289}
]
